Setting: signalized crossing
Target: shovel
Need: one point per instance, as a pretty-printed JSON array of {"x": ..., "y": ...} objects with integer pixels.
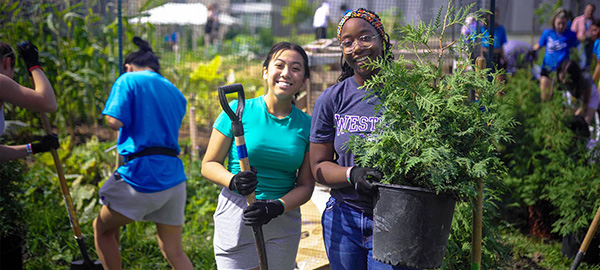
[
  {"x": 586, "y": 241},
  {"x": 240, "y": 143},
  {"x": 86, "y": 263}
]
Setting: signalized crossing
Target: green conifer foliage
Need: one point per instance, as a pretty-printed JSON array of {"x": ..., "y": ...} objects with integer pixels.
[{"x": 431, "y": 135}]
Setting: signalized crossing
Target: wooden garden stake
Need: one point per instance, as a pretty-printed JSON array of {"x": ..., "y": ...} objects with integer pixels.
[
  {"x": 478, "y": 206},
  {"x": 193, "y": 133}
]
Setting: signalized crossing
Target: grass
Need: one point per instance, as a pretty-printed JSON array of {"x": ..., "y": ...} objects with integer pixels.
[{"x": 530, "y": 251}]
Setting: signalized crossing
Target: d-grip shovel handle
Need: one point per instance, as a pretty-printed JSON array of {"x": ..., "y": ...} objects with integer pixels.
[
  {"x": 240, "y": 143},
  {"x": 236, "y": 126},
  {"x": 237, "y": 116}
]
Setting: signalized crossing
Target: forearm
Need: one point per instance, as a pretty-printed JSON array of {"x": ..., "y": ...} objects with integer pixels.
[
  {"x": 331, "y": 174},
  {"x": 216, "y": 173},
  {"x": 596, "y": 71},
  {"x": 12, "y": 152},
  {"x": 44, "y": 89},
  {"x": 297, "y": 196}
]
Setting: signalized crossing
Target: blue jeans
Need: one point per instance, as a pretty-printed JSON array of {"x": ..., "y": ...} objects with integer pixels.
[{"x": 348, "y": 237}]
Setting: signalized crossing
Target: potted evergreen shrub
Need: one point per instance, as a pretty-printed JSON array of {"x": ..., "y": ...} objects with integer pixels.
[{"x": 436, "y": 139}]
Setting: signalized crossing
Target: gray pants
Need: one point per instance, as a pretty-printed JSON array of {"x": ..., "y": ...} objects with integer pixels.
[{"x": 234, "y": 242}]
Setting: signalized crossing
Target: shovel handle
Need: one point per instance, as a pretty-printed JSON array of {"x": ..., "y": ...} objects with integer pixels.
[
  {"x": 61, "y": 176},
  {"x": 240, "y": 143},
  {"x": 586, "y": 241},
  {"x": 63, "y": 182}
]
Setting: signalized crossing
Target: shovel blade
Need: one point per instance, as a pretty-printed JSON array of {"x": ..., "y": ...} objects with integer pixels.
[{"x": 83, "y": 265}]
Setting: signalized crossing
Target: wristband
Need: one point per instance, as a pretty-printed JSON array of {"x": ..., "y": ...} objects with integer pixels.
[
  {"x": 34, "y": 67},
  {"x": 348, "y": 175},
  {"x": 282, "y": 203},
  {"x": 28, "y": 147}
]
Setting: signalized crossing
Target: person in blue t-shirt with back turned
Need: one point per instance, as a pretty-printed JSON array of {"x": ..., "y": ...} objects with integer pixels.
[
  {"x": 558, "y": 42},
  {"x": 147, "y": 110}
]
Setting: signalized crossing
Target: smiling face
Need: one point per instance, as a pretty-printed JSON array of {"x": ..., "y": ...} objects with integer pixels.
[
  {"x": 285, "y": 74},
  {"x": 352, "y": 30}
]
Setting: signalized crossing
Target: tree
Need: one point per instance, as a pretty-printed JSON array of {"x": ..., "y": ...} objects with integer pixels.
[{"x": 295, "y": 13}]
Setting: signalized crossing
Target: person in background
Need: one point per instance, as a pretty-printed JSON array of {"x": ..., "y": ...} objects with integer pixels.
[
  {"x": 40, "y": 99},
  {"x": 580, "y": 85},
  {"x": 558, "y": 42},
  {"x": 581, "y": 26},
  {"x": 321, "y": 20},
  {"x": 595, "y": 35},
  {"x": 276, "y": 135},
  {"x": 211, "y": 29},
  {"x": 348, "y": 218},
  {"x": 147, "y": 110},
  {"x": 517, "y": 54},
  {"x": 498, "y": 43}
]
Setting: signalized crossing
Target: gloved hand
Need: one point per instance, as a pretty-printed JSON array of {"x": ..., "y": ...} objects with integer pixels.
[
  {"x": 362, "y": 179},
  {"x": 29, "y": 53},
  {"x": 260, "y": 213},
  {"x": 530, "y": 56},
  {"x": 244, "y": 182},
  {"x": 46, "y": 143}
]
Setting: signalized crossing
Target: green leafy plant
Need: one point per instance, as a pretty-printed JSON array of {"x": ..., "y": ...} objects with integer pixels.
[
  {"x": 204, "y": 81},
  {"x": 296, "y": 12},
  {"x": 546, "y": 160},
  {"x": 430, "y": 134}
]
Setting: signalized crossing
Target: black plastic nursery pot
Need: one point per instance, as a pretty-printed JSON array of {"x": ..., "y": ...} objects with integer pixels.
[{"x": 411, "y": 226}]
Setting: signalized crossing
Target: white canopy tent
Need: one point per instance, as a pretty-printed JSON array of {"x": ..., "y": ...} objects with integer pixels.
[{"x": 180, "y": 14}]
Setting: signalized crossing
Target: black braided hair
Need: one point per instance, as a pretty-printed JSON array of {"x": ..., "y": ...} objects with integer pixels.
[
  {"x": 347, "y": 70},
  {"x": 144, "y": 57}
]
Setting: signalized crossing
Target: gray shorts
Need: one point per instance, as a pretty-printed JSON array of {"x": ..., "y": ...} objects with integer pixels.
[
  {"x": 234, "y": 242},
  {"x": 164, "y": 207}
]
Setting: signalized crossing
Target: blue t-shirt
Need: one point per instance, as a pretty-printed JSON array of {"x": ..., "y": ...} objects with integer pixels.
[
  {"x": 151, "y": 109},
  {"x": 499, "y": 37},
  {"x": 276, "y": 146},
  {"x": 557, "y": 47},
  {"x": 597, "y": 48},
  {"x": 339, "y": 112}
]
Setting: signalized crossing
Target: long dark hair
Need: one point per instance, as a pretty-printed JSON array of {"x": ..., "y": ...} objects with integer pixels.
[
  {"x": 558, "y": 14},
  {"x": 576, "y": 83},
  {"x": 347, "y": 70},
  {"x": 7, "y": 51},
  {"x": 281, "y": 46},
  {"x": 144, "y": 57}
]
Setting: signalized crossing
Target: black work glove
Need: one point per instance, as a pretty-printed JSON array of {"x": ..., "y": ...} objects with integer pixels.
[
  {"x": 46, "y": 143},
  {"x": 29, "y": 53},
  {"x": 244, "y": 182},
  {"x": 531, "y": 56},
  {"x": 362, "y": 179},
  {"x": 260, "y": 213}
]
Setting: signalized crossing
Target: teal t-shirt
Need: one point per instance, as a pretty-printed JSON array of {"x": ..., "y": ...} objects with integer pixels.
[
  {"x": 276, "y": 147},
  {"x": 151, "y": 109}
]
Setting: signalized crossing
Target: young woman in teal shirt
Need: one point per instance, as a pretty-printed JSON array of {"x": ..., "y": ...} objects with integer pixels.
[{"x": 276, "y": 135}]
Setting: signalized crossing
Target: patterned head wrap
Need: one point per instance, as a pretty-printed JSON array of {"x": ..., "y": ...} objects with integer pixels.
[{"x": 364, "y": 14}]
